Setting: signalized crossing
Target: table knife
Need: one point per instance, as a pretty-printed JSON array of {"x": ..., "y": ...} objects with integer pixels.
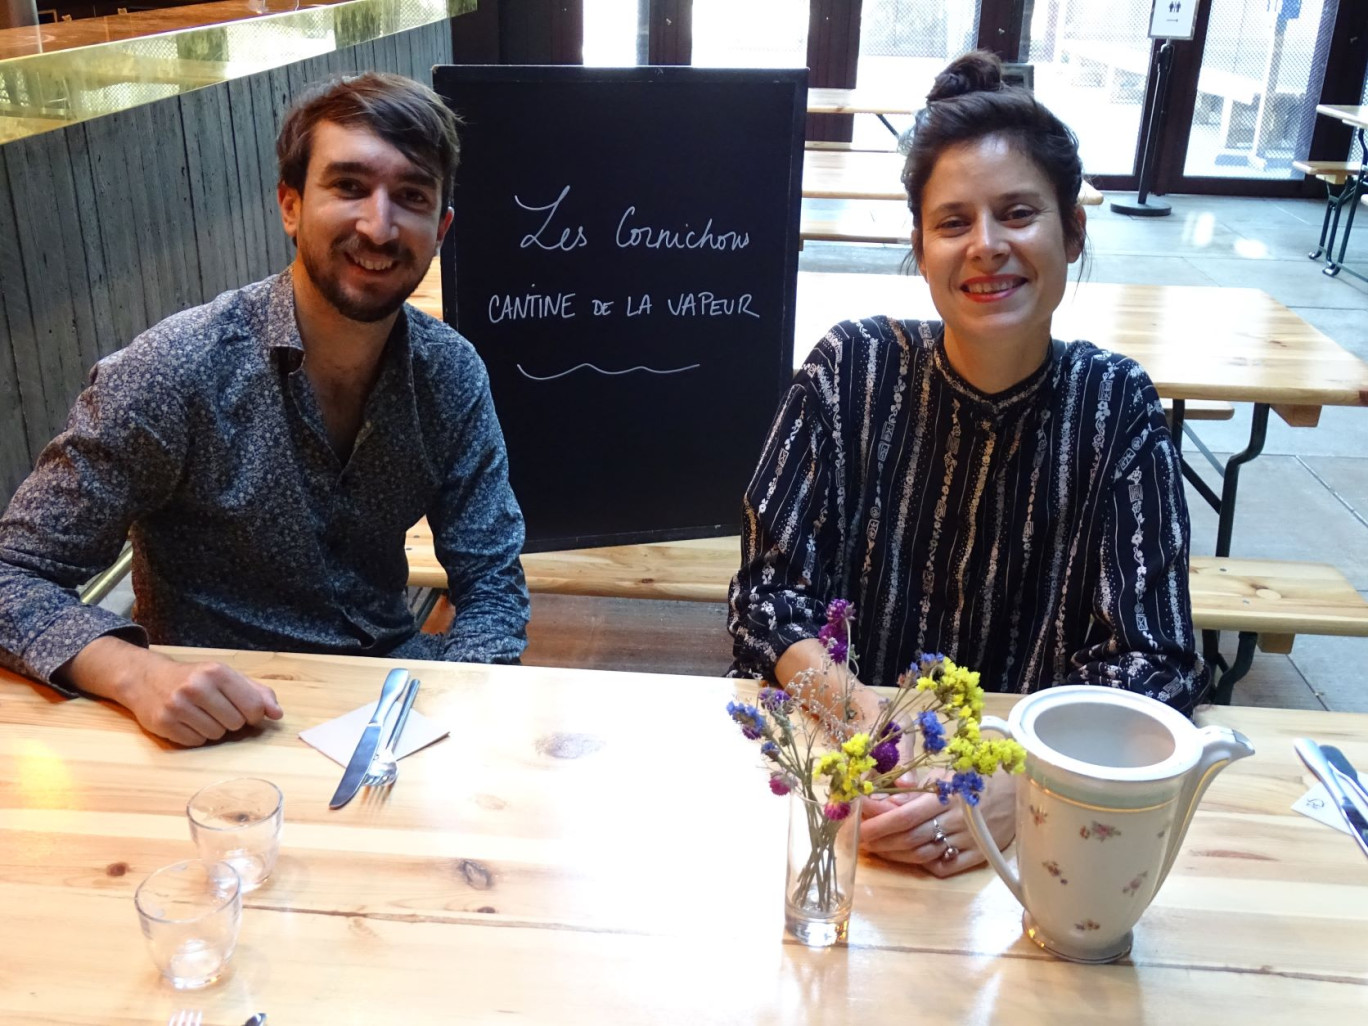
[
  {"x": 1348, "y": 776},
  {"x": 1316, "y": 762},
  {"x": 370, "y": 740}
]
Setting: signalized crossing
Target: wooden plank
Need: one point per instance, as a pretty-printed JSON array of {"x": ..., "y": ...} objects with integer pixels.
[
  {"x": 19, "y": 375},
  {"x": 264, "y": 125},
  {"x": 15, "y": 456},
  {"x": 101, "y": 339},
  {"x": 214, "y": 215},
  {"x": 145, "y": 217},
  {"x": 252, "y": 191},
  {"x": 43, "y": 256},
  {"x": 1298, "y": 416},
  {"x": 112, "y": 210},
  {"x": 181, "y": 285},
  {"x": 1275, "y": 597},
  {"x": 79, "y": 351}
]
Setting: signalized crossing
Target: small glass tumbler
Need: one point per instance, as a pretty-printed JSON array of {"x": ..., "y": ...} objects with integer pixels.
[
  {"x": 190, "y": 912},
  {"x": 238, "y": 822}
]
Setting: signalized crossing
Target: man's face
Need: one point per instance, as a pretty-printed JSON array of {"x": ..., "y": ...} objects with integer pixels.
[{"x": 367, "y": 224}]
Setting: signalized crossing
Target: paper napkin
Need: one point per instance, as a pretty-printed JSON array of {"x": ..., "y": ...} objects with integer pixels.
[
  {"x": 1318, "y": 804},
  {"x": 337, "y": 738}
]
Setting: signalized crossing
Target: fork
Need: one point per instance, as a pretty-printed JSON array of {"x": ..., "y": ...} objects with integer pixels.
[
  {"x": 384, "y": 768},
  {"x": 186, "y": 1017}
]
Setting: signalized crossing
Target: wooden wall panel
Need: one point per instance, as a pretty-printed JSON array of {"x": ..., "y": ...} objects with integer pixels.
[
  {"x": 108, "y": 226},
  {"x": 15, "y": 322}
]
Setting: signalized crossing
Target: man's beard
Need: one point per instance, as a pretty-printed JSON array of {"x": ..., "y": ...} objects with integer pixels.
[{"x": 364, "y": 308}]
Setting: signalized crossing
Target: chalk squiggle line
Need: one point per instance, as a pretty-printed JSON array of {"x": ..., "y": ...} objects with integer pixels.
[{"x": 610, "y": 373}]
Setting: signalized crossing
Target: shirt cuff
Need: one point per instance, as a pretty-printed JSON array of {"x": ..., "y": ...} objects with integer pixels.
[{"x": 72, "y": 630}]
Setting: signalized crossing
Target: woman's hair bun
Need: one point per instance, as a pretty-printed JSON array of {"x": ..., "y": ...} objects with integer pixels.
[{"x": 978, "y": 71}]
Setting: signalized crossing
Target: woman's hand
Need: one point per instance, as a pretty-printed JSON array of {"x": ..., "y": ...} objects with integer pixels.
[{"x": 903, "y": 828}]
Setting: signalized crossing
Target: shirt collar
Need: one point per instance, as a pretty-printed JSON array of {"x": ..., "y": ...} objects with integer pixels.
[{"x": 282, "y": 327}]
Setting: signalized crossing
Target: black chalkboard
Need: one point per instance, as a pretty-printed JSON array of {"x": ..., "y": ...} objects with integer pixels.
[{"x": 624, "y": 257}]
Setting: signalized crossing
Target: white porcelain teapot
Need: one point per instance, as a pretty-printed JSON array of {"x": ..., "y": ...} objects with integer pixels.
[{"x": 1112, "y": 780}]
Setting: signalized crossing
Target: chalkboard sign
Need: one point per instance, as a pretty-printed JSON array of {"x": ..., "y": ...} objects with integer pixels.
[{"x": 624, "y": 257}]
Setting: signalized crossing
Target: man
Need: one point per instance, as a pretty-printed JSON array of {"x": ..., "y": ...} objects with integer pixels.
[{"x": 267, "y": 451}]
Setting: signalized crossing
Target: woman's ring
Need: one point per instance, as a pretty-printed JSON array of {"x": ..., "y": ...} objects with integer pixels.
[
  {"x": 938, "y": 837},
  {"x": 950, "y": 854}
]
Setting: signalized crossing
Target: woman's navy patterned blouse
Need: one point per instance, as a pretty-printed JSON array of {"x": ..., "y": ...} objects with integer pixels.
[{"x": 1039, "y": 535}]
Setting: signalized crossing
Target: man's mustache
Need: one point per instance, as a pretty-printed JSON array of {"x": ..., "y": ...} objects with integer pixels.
[{"x": 354, "y": 247}]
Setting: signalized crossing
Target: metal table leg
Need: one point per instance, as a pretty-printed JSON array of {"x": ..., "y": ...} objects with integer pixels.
[
  {"x": 1224, "y": 505},
  {"x": 1335, "y": 266}
]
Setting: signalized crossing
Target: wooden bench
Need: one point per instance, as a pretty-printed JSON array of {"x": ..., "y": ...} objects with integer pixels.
[
  {"x": 1267, "y": 603},
  {"x": 1338, "y": 176}
]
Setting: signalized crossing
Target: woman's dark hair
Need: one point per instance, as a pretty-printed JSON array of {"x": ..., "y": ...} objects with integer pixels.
[
  {"x": 969, "y": 101},
  {"x": 407, "y": 115}
]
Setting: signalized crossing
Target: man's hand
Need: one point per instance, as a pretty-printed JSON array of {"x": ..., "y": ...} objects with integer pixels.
[
  {"x": 188, "y": 703},
  {"x": 903, "y": 829}
]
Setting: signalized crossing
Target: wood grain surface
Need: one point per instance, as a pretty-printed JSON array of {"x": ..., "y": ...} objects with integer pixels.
[{"x": 593, "y": 847}]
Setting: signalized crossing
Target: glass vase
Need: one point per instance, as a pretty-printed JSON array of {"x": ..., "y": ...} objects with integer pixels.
[{"x": 819, "y": 886}]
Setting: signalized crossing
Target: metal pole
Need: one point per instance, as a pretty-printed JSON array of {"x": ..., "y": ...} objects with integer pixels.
[{"x": 1143, "y": 205}]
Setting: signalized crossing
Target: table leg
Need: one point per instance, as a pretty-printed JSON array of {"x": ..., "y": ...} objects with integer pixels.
[
  {"x": 1224, "y": 504},
  {"x": 1335, "y": 266}
]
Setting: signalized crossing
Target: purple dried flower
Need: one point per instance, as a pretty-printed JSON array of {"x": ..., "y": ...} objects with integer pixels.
[
  {"x": 775, "y": 699},
  {"x": 748, "y": 717},
  {"x": 885, "y": 755},
  {"x": 839, "y": 612},
  {"x": 836, "y": 811}
]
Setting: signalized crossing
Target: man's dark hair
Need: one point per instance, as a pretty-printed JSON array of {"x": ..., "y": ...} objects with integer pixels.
[
  {"x": 409, "y": 116},
  {"x": 969, "y": 101}
]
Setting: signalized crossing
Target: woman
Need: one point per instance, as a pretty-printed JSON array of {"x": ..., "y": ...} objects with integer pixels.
[{"x": 973, "y": 486}]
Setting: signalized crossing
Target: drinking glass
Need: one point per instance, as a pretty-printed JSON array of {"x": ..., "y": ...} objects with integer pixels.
[
  {"x": 190, "y": 912},
  {"x": 238, "y": 822}
]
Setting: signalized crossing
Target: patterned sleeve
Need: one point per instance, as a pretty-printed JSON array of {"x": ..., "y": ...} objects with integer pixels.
[
  {"x": 478, "y": 533},
  {"x": 121, "y": 454},
  {"x": 790, "y": 525},
  {"x": 1141, "y": 600}
]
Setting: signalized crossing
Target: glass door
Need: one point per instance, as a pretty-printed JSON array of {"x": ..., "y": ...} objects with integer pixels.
[
  {"x": 750, "y": 34},
  {"x": 1259, "y": 80},
  {"x": 1091, "y": 65}
]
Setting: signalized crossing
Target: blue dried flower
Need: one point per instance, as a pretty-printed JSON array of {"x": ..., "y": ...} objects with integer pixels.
[
  {"x": 748, "y": 717},
  {"x": 968, "y": 785},
  {"x": 770, "y": 751},
  {"x": 933, "y": 733}
]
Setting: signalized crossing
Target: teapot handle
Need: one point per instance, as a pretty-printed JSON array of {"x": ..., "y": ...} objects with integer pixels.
[{"x": 984, "y": 837}]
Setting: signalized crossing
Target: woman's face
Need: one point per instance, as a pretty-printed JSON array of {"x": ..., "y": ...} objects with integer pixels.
[{"x": 993, "y": 249}]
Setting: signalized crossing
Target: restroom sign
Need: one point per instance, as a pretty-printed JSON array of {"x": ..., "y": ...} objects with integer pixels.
[{"x": 1173, "y": 19}]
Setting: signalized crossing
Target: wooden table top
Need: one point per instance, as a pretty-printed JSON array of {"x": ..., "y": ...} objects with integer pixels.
[
  {"x": 858, "y": 101},
  {"x": 570, "y": 854},
  {"x": 1196, "y": 341},
  {"x": 1349, "y": 113}
]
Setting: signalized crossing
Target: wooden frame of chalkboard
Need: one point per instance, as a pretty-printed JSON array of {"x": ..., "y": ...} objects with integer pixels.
[{"x": 624, "y": 257}]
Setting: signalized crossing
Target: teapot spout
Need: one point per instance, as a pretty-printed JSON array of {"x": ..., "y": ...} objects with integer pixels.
[{"x": 1220, "y": 747}]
